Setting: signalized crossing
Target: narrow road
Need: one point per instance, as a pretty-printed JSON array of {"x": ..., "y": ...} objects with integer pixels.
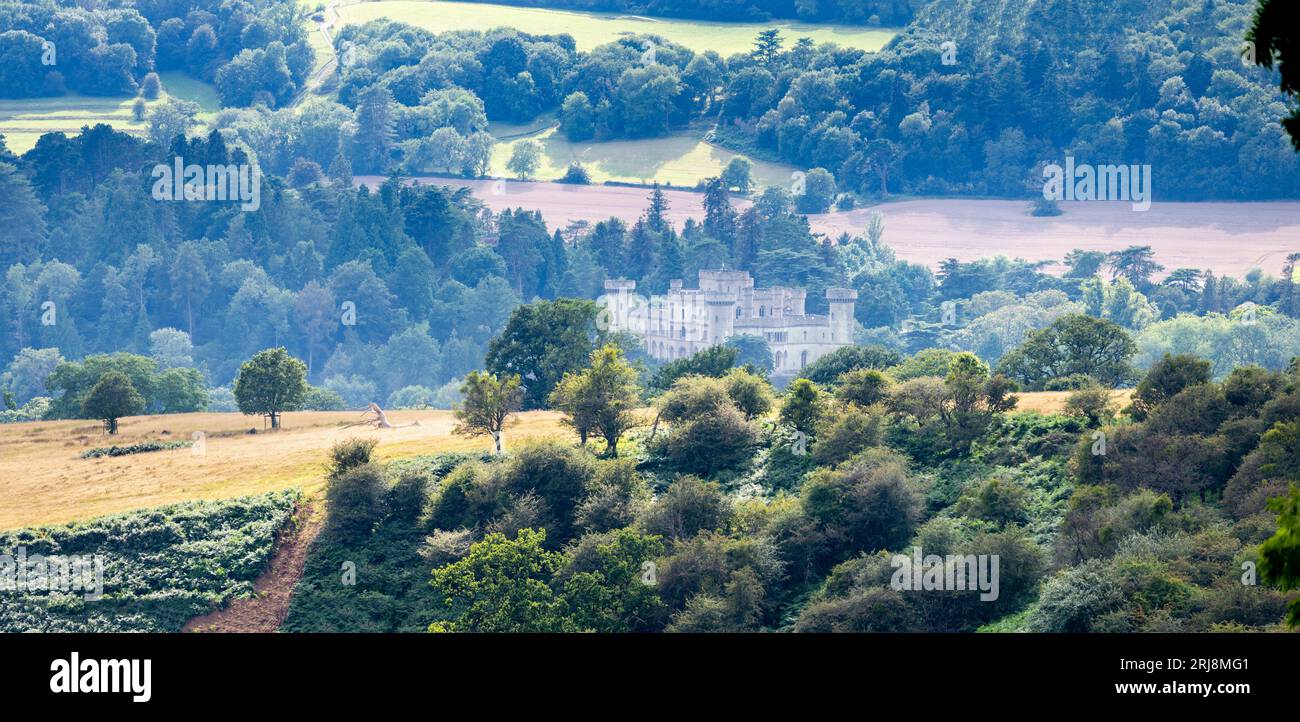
[{"x": 329, "y": 20}]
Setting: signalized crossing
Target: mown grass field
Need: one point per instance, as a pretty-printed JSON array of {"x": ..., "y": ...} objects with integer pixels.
[
  {"x": 43, "y": 480},
  {"x": 24, "y": 121},
  {"x": 681, "y": 159},
  {"x": 1053, "y": 402},
  {"x": 590, "y": 29}
]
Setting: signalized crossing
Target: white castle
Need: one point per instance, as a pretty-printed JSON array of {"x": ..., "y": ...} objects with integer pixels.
[{"x": 726, "y": 304}]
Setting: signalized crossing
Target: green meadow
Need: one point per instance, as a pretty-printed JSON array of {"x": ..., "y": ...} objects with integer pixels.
[
  {"x": 23, "y": 121},
  {"x": 680, "y": 159},
  {"x": 590, "y": 29}
]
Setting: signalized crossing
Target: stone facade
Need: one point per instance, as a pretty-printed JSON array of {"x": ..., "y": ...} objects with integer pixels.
[{"x": 726, "y": 304}]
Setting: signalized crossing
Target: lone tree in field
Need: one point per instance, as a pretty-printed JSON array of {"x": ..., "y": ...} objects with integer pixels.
[
  {"x": 600, "y": 399},
  {"x": 111, "y": 398},
  {"x": 489, "y": 403},
  {"x": 270, "y": 383},
  {"x": 525, "y": 158}
]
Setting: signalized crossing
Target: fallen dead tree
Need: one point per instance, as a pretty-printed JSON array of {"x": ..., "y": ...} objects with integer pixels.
[{"x": 375, "y": 417}]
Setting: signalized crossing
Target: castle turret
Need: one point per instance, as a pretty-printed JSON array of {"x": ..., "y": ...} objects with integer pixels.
[
  {"x": 618, "y": 302},
  {"x": 721, "y": 315},
  {"x": 797, "y": 298},
  {"x": 841, "y": 307}
]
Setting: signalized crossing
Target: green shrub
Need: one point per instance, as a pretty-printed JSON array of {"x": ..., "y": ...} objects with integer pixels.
[
  {"x": 161, "y": 567},
  {"x": 355, "y": 501},
  {"x": 391, "y": 592},
  {"x": 350, "y": 453},
  {"x": 140, "y": 448},
  {"x": 405, "y": 498}
]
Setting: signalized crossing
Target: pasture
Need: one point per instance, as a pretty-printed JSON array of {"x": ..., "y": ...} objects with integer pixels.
[
  {"x": 24, "y": 121},
  {"x": 1053, "y": 402},
  {"x": 44, "y": 480},
  {"x": 590, "y": 29},
  {"x": 42, "y": 472},
  {"x": 682, "y": 159}
]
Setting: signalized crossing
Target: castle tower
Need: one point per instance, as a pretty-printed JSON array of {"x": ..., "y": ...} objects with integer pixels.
[
  {"x": 721, "y": 310},
  {"x": 797, "y": 298},
  {"x": 618, "y": 301},
  {"x": 841, "y": 304}
]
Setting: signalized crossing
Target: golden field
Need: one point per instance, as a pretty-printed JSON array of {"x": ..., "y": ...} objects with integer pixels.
[
  {"x": 1053, "y": 402},
  {"x": 43, "y": 480}
]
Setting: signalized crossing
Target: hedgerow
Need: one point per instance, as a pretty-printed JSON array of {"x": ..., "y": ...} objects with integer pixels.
[{"x": 140, "y": 448}]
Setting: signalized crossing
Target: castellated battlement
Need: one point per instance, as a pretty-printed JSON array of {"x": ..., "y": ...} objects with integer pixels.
[{"x": 726, "y": 304}]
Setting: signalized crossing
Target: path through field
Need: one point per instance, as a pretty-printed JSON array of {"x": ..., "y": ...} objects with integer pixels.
[
  {"x": 266, "y": 610},
  {"x": 1229, "y": 238}
]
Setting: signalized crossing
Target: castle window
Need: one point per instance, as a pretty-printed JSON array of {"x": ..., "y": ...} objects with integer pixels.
[{"x": 737, "y": 311}]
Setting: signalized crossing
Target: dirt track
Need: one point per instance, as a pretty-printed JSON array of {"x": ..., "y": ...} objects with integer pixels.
[
  {"x": 1228, "y": 238},
  {"x": 266, "y": 610}
]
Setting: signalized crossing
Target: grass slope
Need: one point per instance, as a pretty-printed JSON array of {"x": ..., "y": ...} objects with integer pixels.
[
  {"x": 24, "y": 121},
  {"x": 40, "y": 465},
  {"x": 681, "y": 159}
]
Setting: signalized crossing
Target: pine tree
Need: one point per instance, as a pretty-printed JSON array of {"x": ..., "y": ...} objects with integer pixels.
[
  {"x": 554, "y": 265},
  {"x": 719, "y": 215},
  {"x": 767, "y": 46},
  {"x": 22, "y": 219},
  {"x": 1210, "y": 294},
  {"x": 348, "y": 238},
  {"x": 376, "y": 125},
  {"x": 749, "y": 235},
  {"x": 1289, "y": 301},
  {"x": 340, "y": 172},
  {"x": 671, "y": 262},
  {"x": 189, "y": 280},
  {"x": 642, "y": 248},
  {"x": 656, "y": 216},
  {"x": 606, "y": 242}
]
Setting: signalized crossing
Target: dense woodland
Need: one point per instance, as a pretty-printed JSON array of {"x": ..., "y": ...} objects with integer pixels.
[
  {"x": 858, "y": 12},
  {"x": 970, "y": 98},
  {"x": 1150, "y": 518},
  {"x": 94, "y": 266},
  {"x": 253, "y": 52},
  {"x": 432, "y": 278},
  {"x": 1161, "y": 83},
  {"x": 733, "y": 505}
]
